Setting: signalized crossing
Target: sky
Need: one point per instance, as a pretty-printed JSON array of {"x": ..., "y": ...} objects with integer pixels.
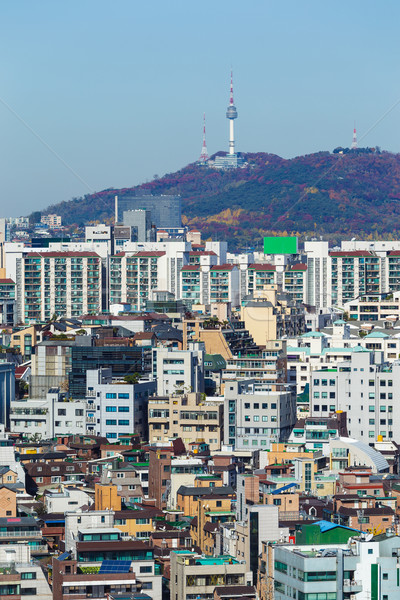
[{"x": 98, "y": 94}]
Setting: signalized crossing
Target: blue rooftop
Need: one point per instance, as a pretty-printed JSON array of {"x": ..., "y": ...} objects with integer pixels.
[{"x": 327, "y": 525}]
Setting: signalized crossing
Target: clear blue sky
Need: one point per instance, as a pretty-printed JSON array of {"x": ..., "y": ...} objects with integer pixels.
[{"x": 118, "y": 89}]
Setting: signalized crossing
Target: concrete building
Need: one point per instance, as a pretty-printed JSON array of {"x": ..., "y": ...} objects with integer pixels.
[
  {"x": 7, "y": 391},
  {"x": 269, "y": 315},
  {"x": 178, "y": 370},
  {"x": 67, "y": 498},
  {"x": 21, "y": 576},
  {"x": 257, "y": 415},
  {"x": 319, "y": 281},
  {"x": 140, "y": 224},
  {"x": 366, "y": 389},
  {"x": 187, "y": 416},
  {"x": 194, "y": 575},
  {"x": 165, "y": 210},
  {"x": 49, "y": 417},
  {"x": 63, "y": 283},
  {"x": 362, "y": 568},
  {"x": 115, "y": 408},
  {"x": 171, "y": 256},
  {"x": 51, "y": 220},
  {"x": 99, "y": 234},
  {"x": 374, "y": 307},
  {"x": 8, "y": 312}
]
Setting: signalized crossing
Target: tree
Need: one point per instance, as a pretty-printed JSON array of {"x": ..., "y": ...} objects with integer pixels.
[
  {"x": 132, "y": 379},
  {"x": 35, "y": 217}
]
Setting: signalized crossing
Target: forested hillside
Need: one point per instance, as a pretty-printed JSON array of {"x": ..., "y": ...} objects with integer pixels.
[{"x": 353, "y": 194}]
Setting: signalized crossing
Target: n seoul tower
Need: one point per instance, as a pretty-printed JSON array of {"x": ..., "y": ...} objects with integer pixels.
[{"x": 231, "y": 114}]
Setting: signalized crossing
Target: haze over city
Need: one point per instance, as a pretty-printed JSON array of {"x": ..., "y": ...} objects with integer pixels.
[{"x": 118, "y": 91}]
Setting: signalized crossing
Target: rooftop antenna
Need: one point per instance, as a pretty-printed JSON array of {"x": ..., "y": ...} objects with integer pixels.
[
  {"x": 354, "y": 144},
  {"x": 204, "y": 154}
]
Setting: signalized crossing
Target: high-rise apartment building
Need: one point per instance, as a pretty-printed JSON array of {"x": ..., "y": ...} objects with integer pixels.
[
  {"x": 133, "y": 276},
  {"x": 66, "y": 284}
]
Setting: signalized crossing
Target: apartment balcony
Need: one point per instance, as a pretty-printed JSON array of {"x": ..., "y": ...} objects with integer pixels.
[
  {"x": 352, "y": 586},
  {"x": 20, "y": 535}
]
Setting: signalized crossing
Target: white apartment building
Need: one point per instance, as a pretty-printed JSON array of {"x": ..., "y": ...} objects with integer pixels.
[
  {"x": 257, "y": 414},
  {"x": 317, "y": 350},
  {"x": 134, "y": 275},
  {"x": 175, "y": 370},
  {"x": 49, "y": 417},
  {"x": 319, "y": 285},
  {"x": 366, "y": 388},
  {"x": 67, "y": 284},
  {"x": 51, "y": 220},
  {"x": 176, "y": 256},
  {"x": 116, "y": 409}
]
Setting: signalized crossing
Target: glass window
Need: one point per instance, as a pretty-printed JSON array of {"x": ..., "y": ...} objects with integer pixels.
[{"x": 111, "y": 409}]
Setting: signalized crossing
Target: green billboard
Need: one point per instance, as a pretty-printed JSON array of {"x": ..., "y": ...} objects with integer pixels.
[{"x": 280, "y": 245}]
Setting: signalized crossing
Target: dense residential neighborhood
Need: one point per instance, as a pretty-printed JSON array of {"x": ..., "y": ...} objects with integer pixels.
[{"x": 180, "y": 421}]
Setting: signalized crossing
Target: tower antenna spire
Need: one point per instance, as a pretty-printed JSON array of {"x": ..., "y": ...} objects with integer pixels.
[
  {"x": 204, "y": 154},
  {"x": 231, "y": 93},
  {"x": 354, "y": 144}
]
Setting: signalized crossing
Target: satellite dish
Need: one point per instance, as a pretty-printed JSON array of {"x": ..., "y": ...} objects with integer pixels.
[{"x": 369, "y": 537}]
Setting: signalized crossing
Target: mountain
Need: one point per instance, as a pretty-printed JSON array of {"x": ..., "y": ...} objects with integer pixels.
[{"x": 336, "y": 195}]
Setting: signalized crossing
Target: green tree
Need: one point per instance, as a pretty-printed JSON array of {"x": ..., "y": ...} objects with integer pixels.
[{"x": 132, "y": 379}]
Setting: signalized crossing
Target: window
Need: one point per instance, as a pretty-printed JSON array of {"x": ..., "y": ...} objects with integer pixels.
[
  {"x": 247, "y": 405},
  {"x": 146, "y": 569},
  {"x": 111, "y": 435},
  {"x": 111, "y": 396},
  {"x": 316, "y": 407},
  {"x": 277, "y": 502},
  {"x": 123, "y": 422},
  {"x": 370, "y": 551},
  {"x": 123, "y": 408},
  {"x": 62, "y": 412},
  {"x": 123, "y": 396},
  {"x": 265, "y": 418},
  {"x": 28, "y": 575},
  {"x": 264, "y": 406},
  {"x": 111, "y": 409},
  {"x": 256, "y": 418},
  {"x": 111, "y": 421}
]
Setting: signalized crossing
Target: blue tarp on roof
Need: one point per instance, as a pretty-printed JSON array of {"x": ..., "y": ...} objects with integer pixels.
[
  {"x": 284, "y": 488},
  {"x": 327, "y": 525}
]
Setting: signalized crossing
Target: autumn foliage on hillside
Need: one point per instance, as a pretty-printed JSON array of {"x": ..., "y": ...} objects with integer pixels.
[{"x": 336, "y": 195}]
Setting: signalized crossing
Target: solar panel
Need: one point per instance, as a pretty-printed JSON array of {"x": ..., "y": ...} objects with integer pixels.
[
  {"x": 64, "y": 556},
  {"x": 115, "y": 566}
]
